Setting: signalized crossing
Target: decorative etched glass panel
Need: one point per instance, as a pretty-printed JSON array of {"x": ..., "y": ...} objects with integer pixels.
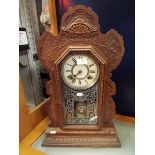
[{"x": 80, "y": 107}]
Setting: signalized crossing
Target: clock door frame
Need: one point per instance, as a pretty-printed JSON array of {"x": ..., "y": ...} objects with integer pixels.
[{"x": 97, "y": 56}]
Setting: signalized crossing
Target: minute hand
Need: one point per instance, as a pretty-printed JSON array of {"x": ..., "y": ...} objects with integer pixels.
[{"x": 76, "y": 75}]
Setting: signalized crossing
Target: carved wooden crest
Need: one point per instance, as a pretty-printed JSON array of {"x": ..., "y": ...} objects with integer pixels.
[
  {"x": 82, "y": 21},
  {"x": 80, "y": 29}
]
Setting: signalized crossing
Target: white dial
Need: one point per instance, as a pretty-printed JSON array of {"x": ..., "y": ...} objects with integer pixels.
[{"x": 80, "y": 71}]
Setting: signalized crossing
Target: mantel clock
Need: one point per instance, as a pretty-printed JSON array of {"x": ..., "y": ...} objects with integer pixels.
[{"x": 80, "y": 61}]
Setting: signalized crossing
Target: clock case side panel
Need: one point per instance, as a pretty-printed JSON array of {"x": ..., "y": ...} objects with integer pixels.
[
  {"x": 46, "y": 46},
  {"x": 58, "y": 87}
]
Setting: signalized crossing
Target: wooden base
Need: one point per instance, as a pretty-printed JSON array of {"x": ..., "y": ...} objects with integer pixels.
[{"x": 56, "y": 137}]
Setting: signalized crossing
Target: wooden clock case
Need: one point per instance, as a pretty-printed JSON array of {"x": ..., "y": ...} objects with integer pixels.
[{"x": 80, "y": 33}]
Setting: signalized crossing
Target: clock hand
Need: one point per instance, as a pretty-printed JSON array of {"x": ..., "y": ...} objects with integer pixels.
[
  {"x": 76, "y": 75},
  {"x": 74, "y": 60}
]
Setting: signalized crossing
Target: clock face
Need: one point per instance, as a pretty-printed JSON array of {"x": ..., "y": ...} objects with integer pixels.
[{"x": 80, "y": 71}]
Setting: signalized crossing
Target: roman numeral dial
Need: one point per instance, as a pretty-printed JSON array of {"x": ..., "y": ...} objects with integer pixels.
[{"x": 80, "y": 71}]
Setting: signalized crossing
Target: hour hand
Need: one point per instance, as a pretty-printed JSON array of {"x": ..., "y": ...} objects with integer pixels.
[
  {"x": 70, "y": 77},
  {"x": 74, "y": 77}
]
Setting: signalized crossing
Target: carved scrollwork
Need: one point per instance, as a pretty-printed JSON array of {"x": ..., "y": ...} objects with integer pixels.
[
  {"x": 49, "y": 88},
  {"x": 48, "y": 45},
  {"x": 112, "y": 46},
  {"x": 111, "y": 87},
  {"x": 109, "y": 111}
]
